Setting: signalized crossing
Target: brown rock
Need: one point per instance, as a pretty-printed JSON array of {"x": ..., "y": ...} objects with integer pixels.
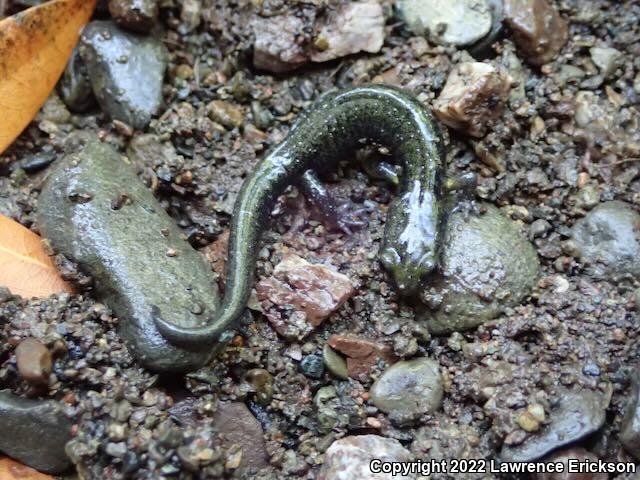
[
  {"x": 473, "y": 97},
  {"x": 276, "y": 46},
  {"x": 216, "y": 253},
  {"x": 362, "y": 355},
  {"x": 563, "y": 456},
  {"x": 237, "y": 426},
  {"x": 135, "y": 15},
  {"x": 354, "y": 27},
  {"x": 225, "y": 113},
  {"x": 537, "y": 28},
  {"x": 34, "y": 361},
  {"x": 313, "y": 291}
]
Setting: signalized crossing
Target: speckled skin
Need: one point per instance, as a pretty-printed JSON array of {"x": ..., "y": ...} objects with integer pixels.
[
  {"x": 95, "y": 210},
  {"x": 323, "y": 135}
]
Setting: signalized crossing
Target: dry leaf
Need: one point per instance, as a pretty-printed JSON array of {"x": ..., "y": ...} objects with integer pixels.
[
  {"x": 12, "y": 470},
  {"x": 25, "y": 268},
  {"x": 34, "y": 48}
]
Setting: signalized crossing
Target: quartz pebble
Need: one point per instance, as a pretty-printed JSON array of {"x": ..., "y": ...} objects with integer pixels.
[{"x": 473, "y": 98}]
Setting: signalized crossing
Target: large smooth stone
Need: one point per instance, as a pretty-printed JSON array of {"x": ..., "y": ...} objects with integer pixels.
[
  {"x": 34, "y": 432},
  {"x": 486, "y": 266},
  {"x": 96, "y": 211}
]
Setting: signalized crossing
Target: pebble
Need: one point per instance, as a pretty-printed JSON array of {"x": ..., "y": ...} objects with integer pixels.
[
  {"x": 126, "y": 71},
  {"x": 124, "y": 249},
  {"x": 563, "y": 456},
  {"x": 362, "y": 355},
  {"x": 335, "y": 362},
  {"x": 608, "y": 239},
  {"x": 34, "y": 361},
  {"x": 34, "y": 432},
  {"x": 487, "y": 265},
  {"x": 459, "y": 23},
  {"x": 354, "y": 27},
  {"x": 630, "y": 427},
  {"x": 74, "y": 86},
  {"x": 312, "y": 366},
  {"x": 237, "y": 426},
  {"x": 276, "y": 48},
  {"x": 606, "y": 59},
  {"x": 578, "y": 414},
  {"x": 301, "y": 295},
  {"x": 136, "y": 15},
  {"x": 409, "y": 389},
  {"x": 473, "y": 98},
  {"x": 225, "y": 113},
  {"x": 538, "y": 30},
  {"x": 350, "y": 457}
]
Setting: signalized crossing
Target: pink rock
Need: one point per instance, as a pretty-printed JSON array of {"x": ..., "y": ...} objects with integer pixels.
[
  {"x": 276, "y": 47},
  {"x": 362, "y": 355}
]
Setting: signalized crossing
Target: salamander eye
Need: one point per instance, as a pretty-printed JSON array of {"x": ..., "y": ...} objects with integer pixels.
[{"x": 390, "y": 258}]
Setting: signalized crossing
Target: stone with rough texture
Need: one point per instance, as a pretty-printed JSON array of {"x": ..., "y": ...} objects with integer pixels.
[
  {"x": 95, "y": 211},
  {"x": 606, "y": 59},
  {"x": 135, "y": 15},
  {"x": 303, "y": 294},
  {"x": 349, "y": 458},
  {"x": 354, "y": 27},
  {"x": 486, "y": 265},
  {"x": 34, "y": 432},
  {"x": 579, "y": 413},
  {"x": 537, "y": 28},
  {"x": 563, "y": 456},
  {"x": 362, "y": 355},
  {"x": 473, "y": 98},
  {"x": 235, "y": 423},
  {"x": 409, "y": 389},
  {"x": 34, "y": 361},
  {"x": 608, "y": 239},
  {"x": 460, "y": 22},
  {"x": 126, "y": 71},
  {"x": 276, "y": 48}
]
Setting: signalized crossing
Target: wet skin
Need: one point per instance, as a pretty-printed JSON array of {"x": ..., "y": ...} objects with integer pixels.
[{"x": 329, "y": 131}]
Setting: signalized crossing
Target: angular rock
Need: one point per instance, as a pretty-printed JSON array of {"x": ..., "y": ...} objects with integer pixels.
[
  {"x": 630, "y": 428},
  {"x": 302, "y": 294},
  {"x": 579, "y": 413},
  {"x": 96, "y": 212},
  {"x": 606, "y": 59},
  {"x": 362, "y": 355},
  {"x": 563, "y": 456},
  {"x": 34, "y": 432},
  {"x": 537, "y": 28},
  {"x": 276, "y": 48},
  {"x": 608, "y": 239},
  {"x": 34, "y": 361},
  {"x": 126, "y": 71},
  {"x": 409, "y": 389},
  {"x": 135, "y": 15},
  {"x": 486, "y": 266},
  {"x": 350, "y": 458},
  {"x": 460, "y": 22},
  {"x": 237, "y": 425},
  {"x": 355, "y": 27},
  {"x": 473, "y": 98}
]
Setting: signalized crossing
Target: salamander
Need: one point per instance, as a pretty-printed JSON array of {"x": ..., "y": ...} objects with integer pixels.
[{"x": 333, "y": 128}]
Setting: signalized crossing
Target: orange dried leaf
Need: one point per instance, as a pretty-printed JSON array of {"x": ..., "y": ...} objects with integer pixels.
[
  {"x": 12, "y": 470},
  {"x": 34, "y": 48},
  {"x": 25, "y": 268}
]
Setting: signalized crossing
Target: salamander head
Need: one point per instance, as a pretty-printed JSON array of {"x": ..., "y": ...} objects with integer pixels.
[{"x": 412, "y": 235}]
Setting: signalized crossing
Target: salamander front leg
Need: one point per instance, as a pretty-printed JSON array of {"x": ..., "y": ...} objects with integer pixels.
[{"x": 334, "y": 217}]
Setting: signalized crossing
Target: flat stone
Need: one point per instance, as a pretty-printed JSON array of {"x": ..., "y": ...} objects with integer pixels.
[
  {"x": 473, "y": 98},
  {"x": 34, "y": 361},
  {"x": 579, "y": 413},
  {"x": 350, "y": 457},
  {"x": 362, "y": 355},
  {"x": 409, "y": 389},
  {"x": 537, "y": 28},
  {"x": 276, "y": 48},
  {"x": 126, "y": 71},
  {"x": 95, "y": 211},
  {"x": 608, "y": 239},
  {"x": 136, "y": 15},
  {"x": 34, "y": 432},
  {"x": 237, "y": 425},
  {"x": 354, "y": 27},
  {"x": 301, "y": 295},
  {"x": 460, "y": 22},
  {"x": 487, "y": 265}
]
